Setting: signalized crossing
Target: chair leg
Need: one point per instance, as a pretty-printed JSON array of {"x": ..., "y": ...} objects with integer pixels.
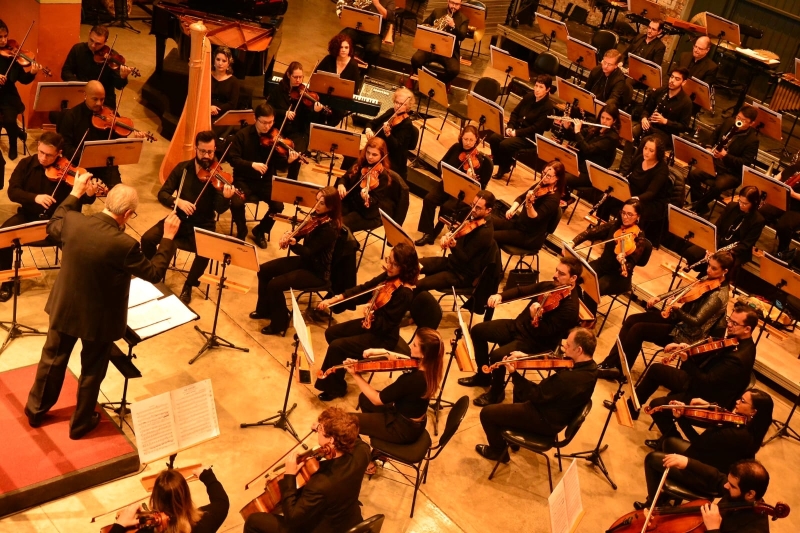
[
  {"x": 416, "y": 489},
  {"x": 549, "y": 472},
  {"x": 444, "y": 120},
  {"x": 498, "y": 463},
  {"x": 507, "y": 263}
]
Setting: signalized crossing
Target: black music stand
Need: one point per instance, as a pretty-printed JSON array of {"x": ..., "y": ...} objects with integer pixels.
[
  {"x": 16, "y": 237},
  {"x": 121, "y": 17},
  {"x": 114, "y": 152},
  {"x": 778, "y": 274},
  {"x": 236, "y": 117},
  {"x": 501, "y": 60},
  {"x": 583, "y": 55},
  {"x": 693, "y": 155},
  {"x": 59, "y": 95},
  {"x": 124, "y": 364},
  {"x": 429, "y": 39},
  {"x": 361, "y": 20},
  {"x": 551, "y": 29},
  {"x": 691, "y": 229},
  {"x": 773, "y": 192},
  {"x": 227, "y": 251},
  {"x": 783, "y": 427},
  {"x": 332, "y": 141},
  {"x": 488, "y": 114},
  {"x": 433, "y": 89}
]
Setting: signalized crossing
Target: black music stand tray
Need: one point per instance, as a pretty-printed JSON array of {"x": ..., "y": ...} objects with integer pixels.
[
  {"x": 783, "y": 427},
  {"x": 123, "y": 363},
  {"x": 114, "y": 152},
  {"x": 433, "y": 89},
  {"x": 691, "y": 229},
  {"x": 331, "y": 140}
]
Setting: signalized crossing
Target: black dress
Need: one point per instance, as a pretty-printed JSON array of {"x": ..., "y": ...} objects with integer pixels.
[
  {"x": 401, "y": 418},
  {"x": 355, "y": 214},
  {"x": 224, "y": 95},
  {"x": 522, "y": 230},
  {"x": 350, "y": 72}
]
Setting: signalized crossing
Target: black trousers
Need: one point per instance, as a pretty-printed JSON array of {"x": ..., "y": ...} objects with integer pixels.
[
  {"x": 274, "y": 278},
  {"x": 438, "y": 277},
  {"x": 786, "y": 223},
  {"x": 452, "y": 65},
  {"x": 383, "y": 422},
  {"x": 447, "y": 205},
  {"x": 648, "y": 326},
  {"x": 349, "y": 340},
  {"x": 184, "y": 240},
  {"x": 266, "y": 523},
  {"x": 370, "y": 41},
  {"x": 716, "y": 185},
  {"x": 504, "y": 150},
  {"x": 8, "y": 122},
  {"x": 52, "y": 369},
  {"x": 674, "y": 380},
  {"x": 654, "y": 469},
  {"x": 254, "y": 191},
  {"x": 356, "y": 221},
  {"x": 520, "y": 416},
  {"x": 506, "y": 232},
  {"x": 505, "y": 334}
]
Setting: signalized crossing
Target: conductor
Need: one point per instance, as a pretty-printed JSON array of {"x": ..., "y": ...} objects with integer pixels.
[{"x": 89, "y": 300}]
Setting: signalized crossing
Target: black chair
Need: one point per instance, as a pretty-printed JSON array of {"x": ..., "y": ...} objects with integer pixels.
[
  {"x": 373, "y": 524},
  {"x": 426, "y": 313},
  {"x": 643, "y": 260},
  {"x": 343, "y": 265},
  {"x": 604, "y": 40},
  {"x": 419, "y": 454},
  {"x": 489, "y": 88},
  {"x": 522, "y": 253},
  {"x": 544, "y": 63},
  {"x": 401, "y": 192},
  {"x": 679, "y": 493},
  {"x": 474, "y": 297},
  {"x": 540, "y": 443}
]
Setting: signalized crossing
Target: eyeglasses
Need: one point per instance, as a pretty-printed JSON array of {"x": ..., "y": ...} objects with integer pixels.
[
  {"x": 730, "y": 322},
  {"x": 609, "y": 63},
  {"x": 205, "y": 152},
  {"x": 266, "y": 122},
  {"x": 627, "y": 214},
  {"x": 134, "y": 215}
]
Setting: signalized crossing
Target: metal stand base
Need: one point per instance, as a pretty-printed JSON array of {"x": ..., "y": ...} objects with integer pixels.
[
  {"x": 784, "y": 430},
  {"x": 439, "y": 405},
  {"x": 14, "y": 328},
  {"x": 214, "y": 341}
]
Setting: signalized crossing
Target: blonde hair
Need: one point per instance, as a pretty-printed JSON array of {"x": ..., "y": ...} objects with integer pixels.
[{"x": 406, "y": 96}]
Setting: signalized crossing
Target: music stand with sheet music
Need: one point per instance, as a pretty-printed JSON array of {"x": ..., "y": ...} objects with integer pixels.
[
  {"x": 572, "y": 94},
  {"x": 296, "y": 193},
  {"x": 691, "y": 229},
  {"x": 552, "y": 29},
  {"x": 331, "y": 141},
  {"x": 16, "y": 237},
  {"x": 625, "y": 126},
  {"x": 433, "y": 89},
  {"x": 700, "y": 93},
  {"x": 458, "y": 184},
  {"x": 115, "y": 152},
  {"x": 694, "y": 155},
  {"x": 644, "y": 71},
  {"x": 237, "y": 117},
  {"x": 395, "y": 234},
  {"x": 773, "y": 192},
  {"x": 582, "y": 54},
  {"x": 778, "y": 274},
  {"x": 301, "y": 338},
  {"x": 591, "y": 281},
  {"x": 768, "y": 122},
  {"x": 227, "y": 251},
  {"x": 499, "y": 59},
  {"x": 646, "y": 8},
  {"x": 549, "y": 150},
  {"x": 608, "y": 182},
  {"x": 722, "y": 29},
  {"x": 429, "y": 39},
  {"x": 59, "y": 95},
  {"x": 361, "y": 20},
  {"x": 488, "y": 114},
  {"x": 327, "y": 84}
]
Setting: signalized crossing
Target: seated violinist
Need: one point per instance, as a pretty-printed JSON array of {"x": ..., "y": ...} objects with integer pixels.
[
  {"x": 252, "y": 174},
  {"x": 10, "y": 103},
  {"x": 719, "y": 377},
  {"x": 194, "y": 209},
  {"x": 35, "y": 186},
  {"x": 688, "y": 316},
  {"x": 719, "y": 446},
  {"x": 538, "y": 328},
  {"x": 469, "y": 245},
  {"x": 396, "y": 128},
  {"x": 462, "y": 156},
  {"x": 328, "y": 501},
  {"x": 398, "y": 413},
  {"x": 77, "y": 120},
  {"x": 309, "y": 267},
  {"x": 389, "y": 295},
  {"x": 543, "y": 408},
  {"x": 527, "y": 221},
  {"x": 171, "y": 496},
  {"x": 614, "y": 267},
  {"x": 364, "y": 188}
]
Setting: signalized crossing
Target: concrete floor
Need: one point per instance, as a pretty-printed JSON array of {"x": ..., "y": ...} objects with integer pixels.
[{"x": 250, "y": 386}]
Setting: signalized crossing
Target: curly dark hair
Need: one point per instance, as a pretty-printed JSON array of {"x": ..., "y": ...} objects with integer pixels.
[
  {"x": 341, "y": 426},
  {"x": 335, "y": 44},
  {"x": 405, "y": 257},
  {"x": 660, "y": 148}
]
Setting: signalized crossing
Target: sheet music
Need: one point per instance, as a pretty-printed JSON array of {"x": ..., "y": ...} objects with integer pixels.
[
  {"x": 178, "y": 313},
  {"x": 572, "y": 493},
  {"x": 156, "y": 433},
  {"x": 195, "y": 413},
  {"x": 147, "y": 314},
  {"x": 301, "y": 330},
  {"x": 564, "y": 503},
  {"x": 142, "y": 291}
]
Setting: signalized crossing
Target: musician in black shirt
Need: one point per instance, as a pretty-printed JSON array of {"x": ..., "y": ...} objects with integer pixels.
[
  {"x": 527, "y": 119},
  {"x": 607, "y": 81},
  {"x": 786, "y": 222},
  {"x": 598, "y": 145},
  {"x": 649, "y": 45},
  {"x": 400, "y": 137},
  {"x": 80, "y": 65},
  {"x": 456, "y": 24},
  {"x": 361, "y": 197},
  {"x": 449, "y": 205},
  {"x": 225, "y": 88},
  {"x": 371, "y": 41},
  {"x": 341, "y": 61},
  {"x": 198, "y": 206},
  {"x": 10, "y": 103},
  {"x": 534, "y": 330},
  {"x": 699, "y": 62},
  {"x": 544, "y": 408},
  {"x": 740, "y": 148}
]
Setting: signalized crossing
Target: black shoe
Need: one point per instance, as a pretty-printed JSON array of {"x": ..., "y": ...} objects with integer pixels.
[
  {"x": 610, "y": 374},
  {"x": 259, "y": 238},
  {"x": 92, "y": 425},
  {"x": 12, "y": 150},
  {"x": 6, "y": 291},
  {"x": 32, "y": 420},
  {"x": 514, "y": 447},
  {"x": 241, "y": 234},
  {"x": 488, "y": 399},
  {"x": 186, "y": 294},
  {"x": 269, "y": 330},
  {"x": 497, "y": 176},
  {"x": 328, "y": 397},
  {"x": 425, "y": 240},
  {"x": 608, "y": 405},
  {"x": 485, "y": 451},
  {"x": 641, "y": 506},
  {"x": 476, "y": 380},
  {"x": 255, "y": 315},
  {"x": 654, "y": 444},
  {"x": 786, "y": 256}
]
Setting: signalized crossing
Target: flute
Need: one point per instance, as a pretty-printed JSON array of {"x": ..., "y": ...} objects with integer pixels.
[{"x": 569, "y": 119}]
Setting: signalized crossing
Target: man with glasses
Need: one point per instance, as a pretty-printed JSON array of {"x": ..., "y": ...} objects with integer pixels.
[
  {"x": 252, "y": 176},
  {"x": 699, "y": 62},
  {"x": 649, "y": 45},
  {"x": 37, "y": 195},
  {"x": 719, "y": 377},
  {"x": 456, "y": 24},
  {"x": 194, "y": 209},
  {"x": 607, "y": 82}
]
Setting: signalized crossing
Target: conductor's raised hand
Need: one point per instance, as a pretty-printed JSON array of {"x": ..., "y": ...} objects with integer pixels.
[
  {"x": 44, "y": 200},
  {"x": 171, "y": 225}
]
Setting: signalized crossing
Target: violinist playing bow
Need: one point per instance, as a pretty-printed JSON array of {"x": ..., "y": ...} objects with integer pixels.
[
  {"x": 540, "y": 327},
  {"x": 365, "y": 188},
  {"x": 10, "y": 103},
  {"x": 389, "y": 298},
  {"x": 35, "y": 186},
  {"x": 397, "y": 129}
]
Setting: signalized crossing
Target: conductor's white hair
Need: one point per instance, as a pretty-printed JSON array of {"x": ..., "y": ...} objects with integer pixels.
[{"x": 122, "y": 198}]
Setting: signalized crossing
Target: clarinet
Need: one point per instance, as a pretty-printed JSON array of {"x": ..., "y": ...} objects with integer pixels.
[{"x": 723, "y": 142}]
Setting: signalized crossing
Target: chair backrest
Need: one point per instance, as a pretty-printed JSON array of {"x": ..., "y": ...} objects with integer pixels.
[
  {"x": 373, "y": 524},
  {"x": 575, "y": 13},
  {"x": 454, "y": 419},
  {"x": 401, "y": 195},
  {"x": 556, "y": 219},
  {"x": 646, "y": 253},
  {"x": 604, "y": 40},
  {"x": 489, "y": 88},
  {"x": 677, "y": 192},
  {"x": 574, "y": 426},
  {"x": 426, "y": 311},
  {"x": 546, "y": 63}
]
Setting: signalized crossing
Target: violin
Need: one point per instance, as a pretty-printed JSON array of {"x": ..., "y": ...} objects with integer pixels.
[
  {"x": 219, "y": 179},
  {"x": 706, "y": 413},
  {"x": 470, "y": 161},
  {"x": 705, "y": 346},
  {"x": 467, "y": 226},
  {"x": 148, "y": 520},
  {"x": 687, "y": 517},
  {"x": 309, "y": 224},
  {"x": 282, "y": 144},
  {"x": 113, "y": 60},
  {"x": 123, "y": 127},
  {"x": 309, "y": 98},
  {"x": 531, "y": 362},
  {"x": 63, "y": 170},
  {"x": 690, "y": 293},
  {"x": 373, "y": 364},
  {"x": 370, "y": 179},
  {"x": 24, "y": 58},
  {"x": 380, "y": 297},
  {"x": 549, "y": 302},
  {"x": 625, "y": 244}
]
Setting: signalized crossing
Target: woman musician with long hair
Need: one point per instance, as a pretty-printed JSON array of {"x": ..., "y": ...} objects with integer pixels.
[
  {"x": 389, "y": 295},
  {"x": 340, "y": 61},
  {"x": 786, "y": 222},
  {"x": 364, "y": 187}
]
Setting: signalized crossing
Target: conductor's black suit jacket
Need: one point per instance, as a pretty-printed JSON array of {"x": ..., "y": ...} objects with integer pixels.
[{"x": 90, "y": 296}]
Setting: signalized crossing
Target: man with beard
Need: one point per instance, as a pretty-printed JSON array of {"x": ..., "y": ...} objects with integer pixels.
[{"x": 194, "y": 209}]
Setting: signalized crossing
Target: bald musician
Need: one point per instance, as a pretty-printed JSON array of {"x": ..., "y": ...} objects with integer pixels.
[{"x": 699, "y": 62}]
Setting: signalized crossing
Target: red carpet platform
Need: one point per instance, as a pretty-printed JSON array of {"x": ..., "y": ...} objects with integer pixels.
[{"x": 43, "y": 464}]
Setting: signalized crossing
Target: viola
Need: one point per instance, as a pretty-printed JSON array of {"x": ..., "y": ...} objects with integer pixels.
[
  {"x": 470, "y": 161},
  {"x": 113, "y": 60},
  {"x": 625, "y": 244},
  {"x": 466, "y": 227},
  {"x": 282, "y": 144},
  {"x": 63, "y": 170},
  {"x": 309, "y": 224},
  {"x": 309, "y": 97},
  {"x": 380, "y": 298},
  {"x": 707, "y": 413},
  {"x": 533, "y": 362},
  {"x": 690, "y": 293},
  {"x": 370, "y": 179},
  {"x": 549, "y": 302},
  {"x": 219, "y": 179},
  {"x": 373, "y": 364},
  {"x": 148, "y": 520},
  {"x": 123, "y": 126},
  {"x": 687, "y": 517},
  {"x": 706, "y": 346},
  {"x": 24, "y": 58}
]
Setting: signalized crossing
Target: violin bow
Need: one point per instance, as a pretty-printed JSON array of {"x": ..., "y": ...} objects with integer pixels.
[
  {"x": 212, "y": 171},
  {"x": 655, "y": 500},
  {"x": 117, "y": 509},
  {"x": 543, "y": 293},
  {"x": 180, "y": 189},
  {"x": 279, "y": 459},
  {"x": 623, "y": 236},
  {"x": 105, "y": 62},
  {"x": 19, "y": 49},
  {"x": 116, "y": 114},
  {"x": 362, "y": 293},
  {"x": 63, "y": 174}
]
